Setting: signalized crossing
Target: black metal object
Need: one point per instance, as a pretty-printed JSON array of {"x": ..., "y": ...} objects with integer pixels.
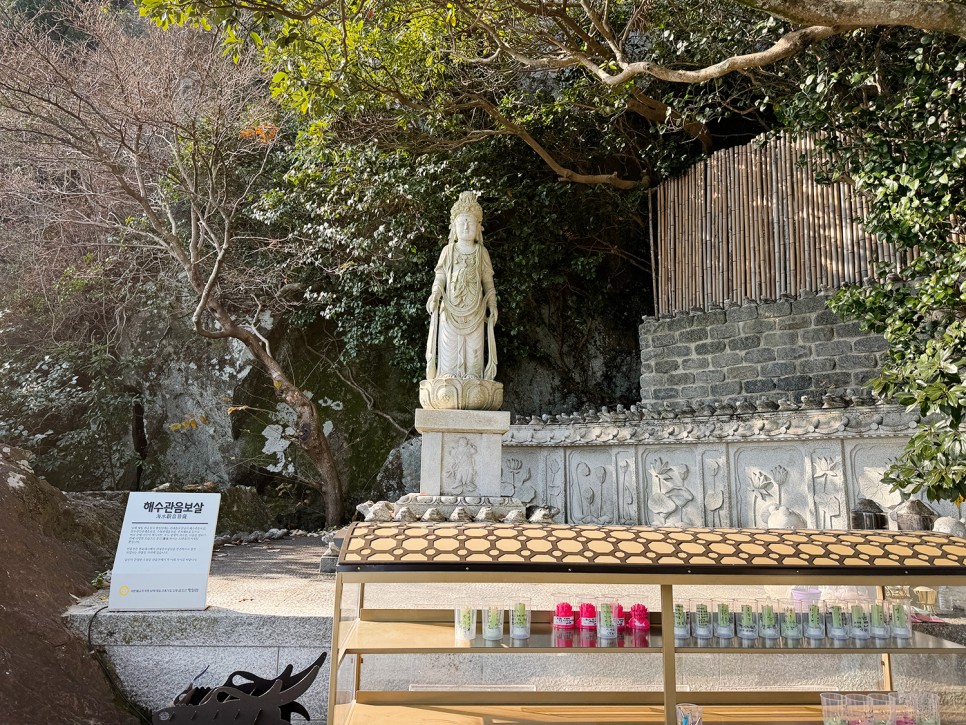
[{"x": 261, "y": 701}]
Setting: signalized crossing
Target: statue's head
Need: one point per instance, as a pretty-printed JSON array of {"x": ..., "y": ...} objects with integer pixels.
[{"x": 466, "y": 218}]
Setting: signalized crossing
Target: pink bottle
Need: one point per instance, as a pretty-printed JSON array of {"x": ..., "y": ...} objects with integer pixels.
[
  {"x": 588, "y": 616},
  {"x": 563, "y": 616},
  {"x": 639, "y": 617}
]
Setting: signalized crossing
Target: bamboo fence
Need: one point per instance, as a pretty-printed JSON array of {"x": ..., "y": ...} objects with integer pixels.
[{"x": 751, "y": 223}]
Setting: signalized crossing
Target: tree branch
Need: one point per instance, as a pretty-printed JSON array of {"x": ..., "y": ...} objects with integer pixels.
[{"x": 942, "y": 17}]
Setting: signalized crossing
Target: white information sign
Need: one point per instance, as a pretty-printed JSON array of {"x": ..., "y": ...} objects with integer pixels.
[{"x": 164, "y": 553}]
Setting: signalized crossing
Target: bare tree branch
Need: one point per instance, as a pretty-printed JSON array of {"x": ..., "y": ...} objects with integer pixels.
[{"x": 937, "y": 17}]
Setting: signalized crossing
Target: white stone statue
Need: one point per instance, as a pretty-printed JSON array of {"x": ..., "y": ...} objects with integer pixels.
[{"x": 461, "y": 349}]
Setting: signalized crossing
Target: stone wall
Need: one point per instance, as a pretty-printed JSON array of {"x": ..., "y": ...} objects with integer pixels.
[
  {"x": 788, "y": 348},
  {"x": 721, "y": 470}
]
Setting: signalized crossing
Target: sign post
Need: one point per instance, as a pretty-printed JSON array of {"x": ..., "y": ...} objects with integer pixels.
[{"x": 164, "y": 553}]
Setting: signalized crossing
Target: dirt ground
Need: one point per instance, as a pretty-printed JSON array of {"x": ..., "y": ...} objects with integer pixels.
[{"x": 46, "y": 554}]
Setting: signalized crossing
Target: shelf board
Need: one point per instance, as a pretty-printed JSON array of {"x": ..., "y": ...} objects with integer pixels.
[
  {"x": 361, "y": 714},
  {"x": 374, "y": 637},
  {"x": 919, "y": 643}
]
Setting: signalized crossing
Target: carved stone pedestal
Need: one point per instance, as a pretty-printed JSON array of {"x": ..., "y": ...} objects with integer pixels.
[
  {"x": 500, "y": 506},
  {"x": 462, "y": 451}
]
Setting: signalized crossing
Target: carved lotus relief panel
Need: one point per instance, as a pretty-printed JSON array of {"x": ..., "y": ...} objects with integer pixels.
[
  {"x": 521, "y": 476},
  {"x": 591, "y": 487},
  {"x": 628, "y": 502},
  {"x": 830, "y": 507},
  {"x": 768, "y": 477},
  {"x": 716, "y": 486},
  {"x": 671, "y": 486}
]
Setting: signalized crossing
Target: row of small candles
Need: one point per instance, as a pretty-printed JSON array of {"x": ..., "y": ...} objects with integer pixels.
[
  {"x": 792, "y": 619},
  {"x": 606, "y": 618}
]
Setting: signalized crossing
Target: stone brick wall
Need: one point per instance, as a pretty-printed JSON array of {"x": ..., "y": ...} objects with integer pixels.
[{"x": 783, "y": 349}]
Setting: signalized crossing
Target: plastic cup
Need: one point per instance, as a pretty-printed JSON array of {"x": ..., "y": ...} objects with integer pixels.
[
  {"x": 464, "y": 621},
  {"x": 746, "y": 623},
  {"x": 791, "y": 619},
  {"x": 859, "y": 619},
  {"x": 879, "y": 620},
  {"x": 701, "y": 624},
  {"x": 900, "y": 619},
  {"x": 814, "y": 612},
  {"x": 587, "y": 615},
  {"x": 520, "y": 618},
  {"x": 858, "y": 709},
  {"x": 833, "y": 708},
  {"x": 883, "y": 707},
  {"x": 921, "y": 707},
  {"x": 837, "y": 620},
  {"x": 680, "y": 618},
  {"x": 493, "y": 621},
  {"x": 724, "y": 618},
  {"x": 768, "y": 619},
  {"x": 689, "y": 714},
  {"x": 564, "y": 614},
  {"x": 607, "y": 618}
]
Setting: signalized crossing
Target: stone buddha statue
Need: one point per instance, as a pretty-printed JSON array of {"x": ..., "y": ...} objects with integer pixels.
[{"x": 461, "y": 349}]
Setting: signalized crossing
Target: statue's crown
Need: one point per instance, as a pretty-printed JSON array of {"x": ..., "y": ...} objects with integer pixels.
[{"x": 467, "y": 204}]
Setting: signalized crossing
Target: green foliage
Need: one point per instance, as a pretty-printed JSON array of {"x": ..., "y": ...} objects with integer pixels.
[
  {"x": 893, "y": 109},
  {"x": 375, "y": 222}
]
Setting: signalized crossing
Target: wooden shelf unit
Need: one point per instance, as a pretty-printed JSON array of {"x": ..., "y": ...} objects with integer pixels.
[{"x": 408, "y": 553}]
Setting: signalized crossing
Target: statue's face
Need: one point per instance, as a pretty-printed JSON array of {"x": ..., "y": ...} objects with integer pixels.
[{"x": 466, "y": 228}]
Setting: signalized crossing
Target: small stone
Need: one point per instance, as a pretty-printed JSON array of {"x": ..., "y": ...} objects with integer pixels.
[
  {"x": 273, "y": 534},
  {"x": 460, "y": 513},
  {"x": 544, "y": 515},
  {"x": 382, "y": 511},
  {"x": 766, "y": 406},
  {"x": 485, "y": 514},
  {"x": 433, "y": 514},
  {"x": 405, "y": 514},
  {"x": 363, "y": 508},
  {"x": 516, "y": 516}
]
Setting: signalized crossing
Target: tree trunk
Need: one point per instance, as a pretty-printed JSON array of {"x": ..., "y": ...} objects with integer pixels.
[
  {"x": 312, "y": 439},
  {"x": 308, "y": 425}
]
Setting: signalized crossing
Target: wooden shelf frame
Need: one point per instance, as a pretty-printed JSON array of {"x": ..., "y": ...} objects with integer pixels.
[{"x": 613, "y": 555}]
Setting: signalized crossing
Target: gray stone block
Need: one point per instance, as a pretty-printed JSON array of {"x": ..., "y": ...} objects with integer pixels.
[
  {"x": 793, "y": 352},
  {"x": 827, "y": 317},
  {"x": 695, "y": 392},
  {"x": 710, "y": 348},
  {"x": 709, "y": 376},
  {"x": 794, "y": 382},
  {"x": 745, "y": 342},
  {"x": 740, "y": 314},
  {"x": 816, "y": 365},
  {"x": 694, "y": 334},
  {"x": 830, "y": 381},
  {"x": 678, "y": 351},
  {"x": 726, "y": 359},
  {"x": 647, "y": 367},
  {"x": 808, "y": 304},
  {"x": 723, "y": 390},
  {"x": 818, "y": 334},
  {"x": 759, "y": 385},
  {"x": 793, "y": 322},
  {"x": 870, "y": 343},
  {"x": 849, "y": 329},
  {"x": 760, "y": 355},
  {"x": 833, "y": 349},
  {"x": 665, "y": 394},
  {"x": 759, "y": 325},
  {"x": 742, "y": 372},
  {"x": 695, "y": 363},
  {"x": 710, "y": 319},
  {"x": 853, "y": 362},
  {"x": 863, "y": 377},
  {"x": 666, "y": 366},
  {"x": 679, "y": 379},
  {"x": 663, "y": 339},
  {"x": 723, "y": 332},
  {"x": 780, "y": 339},
  {"x": 777, "y": 370},
  {"x": 652, "y": 380},
  {"x": 678, "y": 323},
  {"x": 775, "y": 309}
]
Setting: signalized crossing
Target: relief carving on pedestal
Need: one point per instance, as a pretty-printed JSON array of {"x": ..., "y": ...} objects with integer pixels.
[
  {"x": 461, "y": 467},
  {"x": 627, "y": 488},
  {"x": 766, "y": 489},
  {"x": 592, "y": 494},
  {"x": 716, "y": 491}
]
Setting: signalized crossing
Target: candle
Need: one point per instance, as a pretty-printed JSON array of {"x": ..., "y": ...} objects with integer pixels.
[
  {"x": 563, "y": 616},
  {"x": 639, "y": 618},
  {"x": 520, "y": 620}
]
